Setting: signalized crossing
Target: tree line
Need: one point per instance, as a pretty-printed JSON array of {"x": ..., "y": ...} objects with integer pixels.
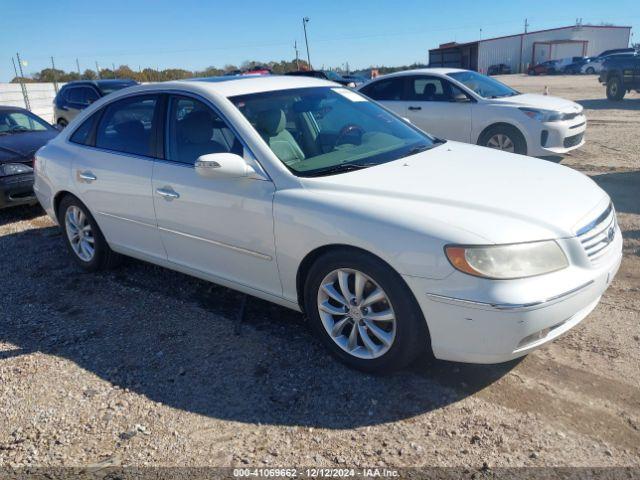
[{"x": 48, "y": 75}]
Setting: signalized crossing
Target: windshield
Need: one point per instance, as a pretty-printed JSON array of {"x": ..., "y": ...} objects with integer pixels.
[
  {"x": 325, "y": 130},
  {"x": 332, "y": 75},
  {"x": 484, "y": 86},
  {"x": 17, "y": 122}
]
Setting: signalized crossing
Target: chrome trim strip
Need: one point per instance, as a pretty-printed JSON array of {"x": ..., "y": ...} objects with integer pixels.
[
  {"x": 144, "y": 224},
  {"x": 594, "y": 223},
  {"x": 253, "y": 253},
  {"x": 510, "y": 306}
]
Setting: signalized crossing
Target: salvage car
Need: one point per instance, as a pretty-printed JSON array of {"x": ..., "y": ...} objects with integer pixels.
[
  {"x": 470, "y": 107},
  {"x": 21, "y": 134},
  {"x": 621, "y": 74},
  {"x": 307, "y": 194},
  {"x": 76, "y": 96},
  {"x": 550, "y": 67}
]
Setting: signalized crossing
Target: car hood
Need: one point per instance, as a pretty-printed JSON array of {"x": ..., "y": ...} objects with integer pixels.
[
  {"x": 545, "y": 102},
  {"x": 20, "y": 147},
  {"x": 498, "y": 197}
]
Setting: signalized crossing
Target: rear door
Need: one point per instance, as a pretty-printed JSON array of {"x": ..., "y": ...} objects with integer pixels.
[
  {"x": 438, "y": 107},
  {"x": 112, "y": 174},
  {"x": 389, "y": 92}
]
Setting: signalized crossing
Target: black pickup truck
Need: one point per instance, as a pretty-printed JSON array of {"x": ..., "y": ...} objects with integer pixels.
[{"x": 621, "y": 74}]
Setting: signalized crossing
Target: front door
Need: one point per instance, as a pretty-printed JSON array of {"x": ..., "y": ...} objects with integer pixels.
[
  {"x": 224, "y": 226},
  {"x": 439, "y": 108},
  {"x": 112, "y": 175}
]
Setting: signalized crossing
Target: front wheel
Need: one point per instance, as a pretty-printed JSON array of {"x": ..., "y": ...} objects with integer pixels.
[
  {"x": 505, "y": 138},
  {"x": 363, "y": 312},
  {"x": 615, "y": 89}
]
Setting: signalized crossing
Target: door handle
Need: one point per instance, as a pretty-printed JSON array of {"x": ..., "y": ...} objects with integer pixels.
[
  {"x": 87, "y": 177},
  {"x": 168, "y": 193},
  {"x": 415, "y": 108}
]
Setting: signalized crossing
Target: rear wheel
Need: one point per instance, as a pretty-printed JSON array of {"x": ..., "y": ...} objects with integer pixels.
[
  {"x": 363, "y": 312},
  {"x": 615, "y": 89},
  {"x": 591, "y": 70},
  {"x": 505, "y": 138},
  {"x": 83, "y": 237}
]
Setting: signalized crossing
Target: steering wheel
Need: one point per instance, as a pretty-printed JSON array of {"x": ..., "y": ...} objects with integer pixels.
[{"x": 350, "y": 130}]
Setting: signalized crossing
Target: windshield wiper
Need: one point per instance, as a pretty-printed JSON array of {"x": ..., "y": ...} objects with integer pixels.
[{"x": 340, "y": 168}]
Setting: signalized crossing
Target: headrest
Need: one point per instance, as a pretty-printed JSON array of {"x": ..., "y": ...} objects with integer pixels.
[
  {"x": 271, "y": 122},
  {"x": 197, "y": 127},
  {"x": 429, "y": 90}
]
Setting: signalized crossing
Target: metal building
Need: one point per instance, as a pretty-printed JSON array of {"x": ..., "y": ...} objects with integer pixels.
[{"x": 524, "y": 49}]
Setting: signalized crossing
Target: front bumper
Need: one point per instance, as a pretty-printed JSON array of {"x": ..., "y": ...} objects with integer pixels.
[
  {"x": 486, "y": 321},
  {"x": 17, "y": 190},
  {"x": 557, "y": 138}
]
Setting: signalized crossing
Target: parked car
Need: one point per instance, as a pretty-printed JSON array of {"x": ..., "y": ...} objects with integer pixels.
[
  {"x": 621, "y": 74},
  {"x": 469, "y": 107},
  {"x": 550, "y": 67},
  {"x": 307, "y": 194},
  {"x": 324, "y": 74},
  {"x": 21, "y": 134},
  {"x": 596, "y": 65},
  {"x": 575, "y": 67},
  {"x": 499, "y": 69},
  {"x": 615, "y": 51},
  {"x": 76, "y": 96}
]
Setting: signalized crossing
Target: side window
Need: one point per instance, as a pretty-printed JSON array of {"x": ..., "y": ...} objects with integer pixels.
[
  {"x": 127, "y": 125},
  {"x": 90, "y": 95},
  {"x": 193, "y": 129},
  {"x": 83, "y": 132},
  {"x": 428, "y": 89},
  {"x": 75, "y": 95},
  {"x": 388, "y": 89}
]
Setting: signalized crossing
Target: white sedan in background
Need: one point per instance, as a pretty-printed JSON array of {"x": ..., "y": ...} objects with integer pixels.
[
  {"x": 307, "y": 194},
  {"x": 469, "y": 107}
]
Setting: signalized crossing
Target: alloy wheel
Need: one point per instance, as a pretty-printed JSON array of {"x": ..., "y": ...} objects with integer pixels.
[
  {"x": 500, "y": 141},
  {"x": 356, "y": 313},
  {"x": 79, "y": 233}
]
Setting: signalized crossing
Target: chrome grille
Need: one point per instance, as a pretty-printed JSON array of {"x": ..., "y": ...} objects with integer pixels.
[{"x": 598, "y": 235}]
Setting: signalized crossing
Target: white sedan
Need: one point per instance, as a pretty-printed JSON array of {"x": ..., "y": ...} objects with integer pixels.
[
  {"x": 307, "y": 194},
  {"x": 469, "y": 107}
]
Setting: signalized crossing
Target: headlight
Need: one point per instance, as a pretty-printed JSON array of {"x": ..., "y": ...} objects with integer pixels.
[
  {"x": 7, "y": 169},
  {"x": 543, "y": 115},
  {"x": 508, "y": 261}
]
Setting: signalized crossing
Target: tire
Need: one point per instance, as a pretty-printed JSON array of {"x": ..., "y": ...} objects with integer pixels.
[
  {"x": 407, "y": 335},
  {"x": 491, "y": 138},
  {"x": 615, "y": 89},
  {"x": 590, "y": 71},
  {"x": 62, "y": 123},
  {"x": 91, "y": 238}
]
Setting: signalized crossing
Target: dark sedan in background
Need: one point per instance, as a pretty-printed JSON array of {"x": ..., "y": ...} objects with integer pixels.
[{"x": 21, "y": 134}]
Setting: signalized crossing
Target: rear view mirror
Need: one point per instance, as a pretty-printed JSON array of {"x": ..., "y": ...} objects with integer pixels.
[{"x": 223, "y": 165}]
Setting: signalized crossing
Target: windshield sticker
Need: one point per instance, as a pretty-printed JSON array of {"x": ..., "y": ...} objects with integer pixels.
[{"x": 346, "y": 93}]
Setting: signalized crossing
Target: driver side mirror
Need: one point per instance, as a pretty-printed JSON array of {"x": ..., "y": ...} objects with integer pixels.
[
  {"x": 460, "y": 98},
  {"x": 223, "y": 165}
]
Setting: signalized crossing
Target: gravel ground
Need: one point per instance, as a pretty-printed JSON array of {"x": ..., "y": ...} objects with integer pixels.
[{"x": 144, "y": 366}]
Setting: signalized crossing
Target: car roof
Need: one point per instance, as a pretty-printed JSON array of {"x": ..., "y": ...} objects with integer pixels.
[
  {"x": 10, "y": 108},
  {"x": 100, "y": 82},
  {"x": 424, "y": 71},
  {"x": 231, "y": 86}
]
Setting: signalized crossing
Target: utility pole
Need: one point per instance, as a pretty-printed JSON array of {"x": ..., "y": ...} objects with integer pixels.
[
  {"x": 480, "y": 33},
  {"x": 78, "y": 65},
  {"x": 22, "y": 87},
  {"x": 526, "y": 26},
  {"x": 295, "y": 47},
  {"x": 113, "y": 69},
  {"x": 98, "y": 70},
  {"x": 25, "y": 94},
  {"x": 305, "y": 20},
  {"x": 55, "y": 80}
]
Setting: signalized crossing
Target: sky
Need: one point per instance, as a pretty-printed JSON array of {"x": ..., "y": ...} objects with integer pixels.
[{"x": 195, "y": 34}]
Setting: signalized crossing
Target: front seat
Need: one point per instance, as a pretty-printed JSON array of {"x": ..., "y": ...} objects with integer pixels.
[
  {"x": 271, "y": 126},
  {"x": 195, "y": 132}
]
